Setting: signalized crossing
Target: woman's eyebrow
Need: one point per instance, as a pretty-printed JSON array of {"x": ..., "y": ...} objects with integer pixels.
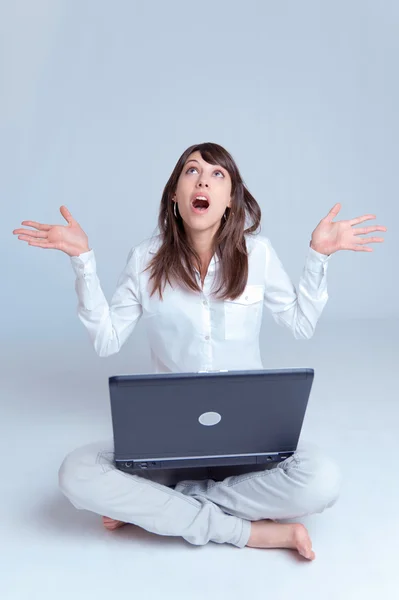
[{"x": 194, "y": 160}]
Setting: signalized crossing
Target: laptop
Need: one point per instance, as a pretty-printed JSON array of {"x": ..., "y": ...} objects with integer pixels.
[{"x": 207, "y": 419}]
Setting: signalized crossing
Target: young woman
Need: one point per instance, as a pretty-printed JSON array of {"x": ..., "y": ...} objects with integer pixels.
[{"x": 200, "y": 286}]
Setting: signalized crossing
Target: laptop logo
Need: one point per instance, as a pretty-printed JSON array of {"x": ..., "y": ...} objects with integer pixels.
[{"x": 210, "y": 418}]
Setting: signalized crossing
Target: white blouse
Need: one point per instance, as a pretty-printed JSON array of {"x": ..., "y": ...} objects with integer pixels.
[{"x": 192, "y": 331}]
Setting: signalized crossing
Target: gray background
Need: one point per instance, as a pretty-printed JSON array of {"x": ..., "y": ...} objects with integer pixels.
[{"x": 97, "y": 101}]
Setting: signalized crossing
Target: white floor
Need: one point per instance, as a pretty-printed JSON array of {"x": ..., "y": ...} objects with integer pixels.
[{"x": 54, "y": 397}]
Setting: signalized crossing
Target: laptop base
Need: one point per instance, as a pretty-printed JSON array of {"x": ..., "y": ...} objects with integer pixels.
[{"x": 135, "y": 466}]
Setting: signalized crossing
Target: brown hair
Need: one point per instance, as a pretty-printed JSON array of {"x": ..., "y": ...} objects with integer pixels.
[{"x": 175, "y": 259}]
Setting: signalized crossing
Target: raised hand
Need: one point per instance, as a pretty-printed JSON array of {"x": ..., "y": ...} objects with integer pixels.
[
  {"x": 70, "y": 238},
  {"x": 329, "y": 237}
]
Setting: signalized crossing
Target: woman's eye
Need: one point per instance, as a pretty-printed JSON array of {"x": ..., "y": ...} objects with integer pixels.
[{"x": 191, "y": 168}]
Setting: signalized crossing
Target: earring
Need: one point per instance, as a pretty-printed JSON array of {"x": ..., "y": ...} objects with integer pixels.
[{"x": 174, "y": 209}]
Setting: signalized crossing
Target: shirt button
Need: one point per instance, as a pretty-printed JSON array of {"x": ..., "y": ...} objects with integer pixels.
[
  {"x": 207, "y": 337},
  {"x": 204, "y": 302}
]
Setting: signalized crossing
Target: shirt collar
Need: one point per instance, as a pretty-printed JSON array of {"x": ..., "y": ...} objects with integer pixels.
[{"x": 156, "y": 243}]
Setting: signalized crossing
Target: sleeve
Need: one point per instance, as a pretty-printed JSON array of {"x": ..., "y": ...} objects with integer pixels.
[
  {"x": 109, "y": 326},
  {"x": 298, "y": 310}
]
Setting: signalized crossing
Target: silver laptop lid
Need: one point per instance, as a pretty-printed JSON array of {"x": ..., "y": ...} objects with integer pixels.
[{"x": 208, "y": 414}]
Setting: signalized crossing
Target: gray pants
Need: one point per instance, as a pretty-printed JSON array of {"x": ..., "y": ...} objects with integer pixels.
[{"x": 192, "y": 505}]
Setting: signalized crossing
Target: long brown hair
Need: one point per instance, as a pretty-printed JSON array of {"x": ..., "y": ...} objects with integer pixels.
[{"x": 175, "y": 259}]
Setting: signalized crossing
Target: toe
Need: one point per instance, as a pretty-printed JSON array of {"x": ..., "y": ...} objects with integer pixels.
[
  {"x": 307, "y": 552},
  {"x": 111, "y": 523}
]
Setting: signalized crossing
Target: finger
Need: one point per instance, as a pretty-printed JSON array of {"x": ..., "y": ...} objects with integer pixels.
[
  {"x": 37, "y": 225},
  {"x": 333, "y": 212},
  {"x": 361, "y": 219},
  {"x": 365, "y": 230},
  {"x": 42, "y": 244},
  {"x": 30, "y": 233},
  {"x": 370, "y": 239},
  {"x": 66, "y": 214},
  {"x": 29, "y": 238},
  {"x": 18, "y": 231},
  {"x": 359, "y": 248}
]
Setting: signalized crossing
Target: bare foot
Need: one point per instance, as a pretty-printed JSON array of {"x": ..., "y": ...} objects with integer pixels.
[
  {"x": 268, "y": 534},
  {"x": 112, "y": 523}
]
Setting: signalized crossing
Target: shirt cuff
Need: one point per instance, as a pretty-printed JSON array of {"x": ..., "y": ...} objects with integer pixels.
[
  {"x": 315, "y": 261},
  {"x": 84, "y": 264}
]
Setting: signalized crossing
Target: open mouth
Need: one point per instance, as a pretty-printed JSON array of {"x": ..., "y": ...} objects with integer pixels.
[{"x": 200, "y": 204}]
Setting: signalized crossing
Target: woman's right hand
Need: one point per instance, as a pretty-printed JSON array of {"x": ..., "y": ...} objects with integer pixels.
[{"x": 70, "y": 238}]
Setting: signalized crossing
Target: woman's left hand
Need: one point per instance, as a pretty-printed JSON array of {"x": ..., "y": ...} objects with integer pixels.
[{"x": 329, "y": 237}]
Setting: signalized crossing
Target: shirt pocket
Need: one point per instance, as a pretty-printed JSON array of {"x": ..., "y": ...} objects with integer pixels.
[{"x": 242, "y": 316}]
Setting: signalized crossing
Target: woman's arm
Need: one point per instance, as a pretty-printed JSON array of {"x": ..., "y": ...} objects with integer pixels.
[
  {"x": 298, "y": 310},
  {"x": 109, "y": 325}
]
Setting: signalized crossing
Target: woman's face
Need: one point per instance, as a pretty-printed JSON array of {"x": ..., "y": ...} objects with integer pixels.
[{"x": 202, "y": 194}]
